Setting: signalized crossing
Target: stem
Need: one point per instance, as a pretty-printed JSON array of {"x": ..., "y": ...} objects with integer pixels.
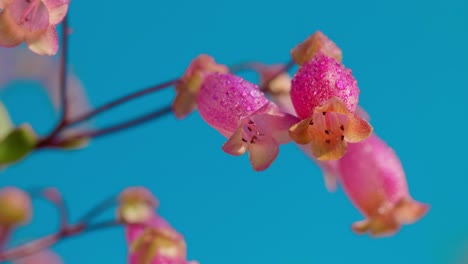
[
  {"x": 64, "y": 70},
  {"x": 62, "y": 85},
  {"x": 117, "y": 128},
  {"x": 102, "y": 206},
  {"x": 42, "y": 243},
  {"x": 53, "y": 196},
  {"x": 121, "y": 100}
]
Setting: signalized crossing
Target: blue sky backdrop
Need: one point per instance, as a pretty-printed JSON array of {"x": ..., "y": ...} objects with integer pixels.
[{"x": 410, "y": 60}]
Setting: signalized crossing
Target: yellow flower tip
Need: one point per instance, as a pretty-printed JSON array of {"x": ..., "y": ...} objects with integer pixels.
[
  {"x": 315, "y": 43},
  {"x": 15, "y": 207},
  {"x": 378, "y": 226},
  {"x": 136, "y": 205}
]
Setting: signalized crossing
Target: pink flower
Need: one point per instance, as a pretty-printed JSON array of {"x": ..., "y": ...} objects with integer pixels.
[
  {"x": 155, "y": 242},
  {"x": 315, "y": 43},
  {"x": 32, "y": 21},
  {"x": 373, "y": 178},
  {"x": 241, "y": 112},
  {"x": 190, "y": 83},
  {"x": 325, "y": 95}
]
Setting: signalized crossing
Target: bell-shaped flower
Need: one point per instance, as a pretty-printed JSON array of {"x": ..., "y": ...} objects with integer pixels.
[
  {"x": 314, "y": 44},
  {"x": 325, "y": 96},
  {"x": 372, "y": 176},
  {"x": 189, "y": 85},
  {"x": 155, "y": 242},
  {"x": 242, "y": 113},
  {"x": 33, "y": 22}
]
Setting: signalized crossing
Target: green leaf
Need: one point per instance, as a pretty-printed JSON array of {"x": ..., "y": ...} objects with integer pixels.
[
  {"x": 5, "y": 122},
  {"x": 17, "y": 144}
]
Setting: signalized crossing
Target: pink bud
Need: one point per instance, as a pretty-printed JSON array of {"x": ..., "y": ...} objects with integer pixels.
[
  {"x": 15, "y": 207},
  {"x": 373, "y": 178},
  {"x": 241, "y": 112},
  {"x": 325, "y": 96},
  {"x": 319, "y": 80}
]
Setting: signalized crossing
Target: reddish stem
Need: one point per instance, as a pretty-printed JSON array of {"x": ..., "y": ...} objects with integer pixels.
[
  {"x": 114, "y": 128},
  {"x": 121, "y": 100},
  {"x": 47, "y": 241}
]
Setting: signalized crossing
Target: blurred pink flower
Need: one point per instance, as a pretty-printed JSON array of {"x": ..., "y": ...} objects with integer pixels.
[
  {"x": 372, "y": 176},
  {"x": 155, "y": 242},
  {"x": 32, "y": 21},
  {"x": 325, "y": 95},
  {"x": 20, "y": 65},
  {"x": 242, "y": 113}
]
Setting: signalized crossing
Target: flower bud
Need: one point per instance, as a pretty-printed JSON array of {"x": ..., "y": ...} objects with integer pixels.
[{"x": 15, "y": 207}]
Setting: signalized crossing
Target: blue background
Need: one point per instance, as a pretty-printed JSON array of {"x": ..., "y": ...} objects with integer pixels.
[{"x": 409, "y": 57}]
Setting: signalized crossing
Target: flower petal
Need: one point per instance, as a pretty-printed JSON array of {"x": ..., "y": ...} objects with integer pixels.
[
  {"x": 57, "y": 10},
  {"x": 328, "y": 148},
  {"x": 274, "y": 123},
  {"x": 10, "y": 33},
  {"x": 262, "y": 154},
  {"x": 235, "y": 145},
  {"x": 408, "y": 211},
  {"x": 300, "y": 132},
  {"x": 378, "y": 226},
  {"x": 357, "y": 129},
  {"x": 46, "y": 43}
]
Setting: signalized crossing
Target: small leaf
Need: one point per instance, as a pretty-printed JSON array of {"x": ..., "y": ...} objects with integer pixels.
[
  {"x": 5, "y": 123},
  {"x": 17, "y": 144}
]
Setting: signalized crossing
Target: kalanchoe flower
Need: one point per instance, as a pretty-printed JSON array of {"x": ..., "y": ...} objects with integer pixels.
[
  {"x": 314, "y": 44},
  {"x": 242, "y": 113},
  {"x": 373, "y": 178},
  {"x": 136, "y": 205},
  {"x": 32, "y": 21},
  {"x": 155, "y": 242},
  {"x": 325, "y": 95},
  {"x": 190, "y": 83}
]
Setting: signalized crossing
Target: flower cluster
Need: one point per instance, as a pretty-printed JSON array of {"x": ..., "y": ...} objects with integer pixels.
[
  {"x": 370, "y": 172},
  {"x": 324, "y": 94},
  {"x": 317, "y": 109}
]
